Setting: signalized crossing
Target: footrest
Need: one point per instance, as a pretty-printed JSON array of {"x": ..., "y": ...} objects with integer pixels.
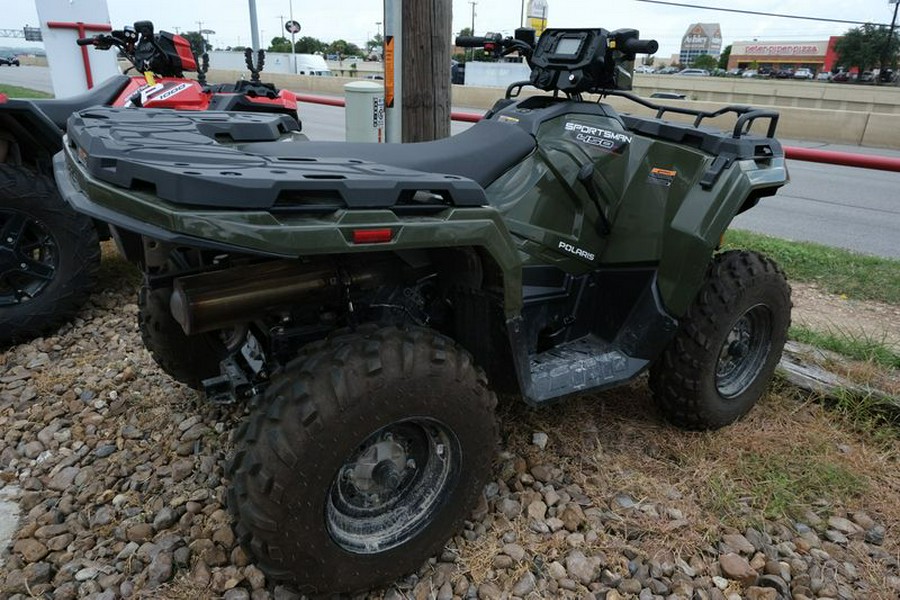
[{"x": 583, "y": 364}]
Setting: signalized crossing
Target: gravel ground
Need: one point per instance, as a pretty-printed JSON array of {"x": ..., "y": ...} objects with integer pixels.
[{"x": 117, "y": 473}]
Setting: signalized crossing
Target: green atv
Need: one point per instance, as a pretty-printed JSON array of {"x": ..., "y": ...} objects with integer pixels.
[{"x": 367, "y": 299}]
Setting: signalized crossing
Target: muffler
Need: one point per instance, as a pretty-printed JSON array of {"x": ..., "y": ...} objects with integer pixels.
[{"x": 220, "y": 299}]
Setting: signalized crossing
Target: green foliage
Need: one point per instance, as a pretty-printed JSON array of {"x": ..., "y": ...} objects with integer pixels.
[
  {"x": 782, "y": 484},
  {"x": 857, "y": 346},
  {"x": 309, "y": 45},
  {"x": 343, "y": 48},
  {"x": 705, "y": 61},
  {"x": 723, "y": 58},
  {"x": 279, "y": 44},
  {"x": 867, "y": 47},
  {"x": 835, "y": 270},
  {"x": 14, "y": 91},
  {"x": 199, "y": 45},
  {"x": 465, "y": 31},
  {"x": 374, "y": 45}
]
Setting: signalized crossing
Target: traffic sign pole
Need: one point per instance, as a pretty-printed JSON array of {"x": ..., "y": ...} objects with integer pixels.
[{"x": 393, "y": 69}]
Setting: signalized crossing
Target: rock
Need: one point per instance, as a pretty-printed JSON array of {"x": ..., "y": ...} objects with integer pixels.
[
  {"x": 760, "y": 593},
  {"x": 537, "y": 510},
  {"x": 625, "y": 501},
  {"x": 540, "y": 440},
  {"x": 64, "y": 479},
  {"x": 630, "y": 586},
  {"x": 510, "y": 508},
  {"x": 236, "y": 594},
  {"x": 556, "y": 570},
  {"x": 736, "y": 567},
  {"x": 31, "y": 549},
  {"x": 581, "y": 568},
  {"x": 525, "y": 585},
  {"x": 572, "y": 517},
  {"x": 501, "y": 561},
  {"x": 160, "y": 570},
  {"x": 843, "y": 525},
  {"x": 514, "y": 551},
  {"x": 489, "y": 591},
  {"x": 739, "y": 543},
  {"x": 165, "y": 518},
  {"x": 140, "y": 532}
]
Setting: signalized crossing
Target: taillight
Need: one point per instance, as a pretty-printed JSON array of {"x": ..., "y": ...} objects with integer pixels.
[{"x": 372, "y": 236}]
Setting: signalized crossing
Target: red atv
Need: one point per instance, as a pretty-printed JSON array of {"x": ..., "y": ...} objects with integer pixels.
[{"x": 49, "y": 254}]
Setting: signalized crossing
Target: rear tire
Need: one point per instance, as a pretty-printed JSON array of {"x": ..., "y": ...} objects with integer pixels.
[
  {"x": 49, "y": 256},
  {"x": 186, "y": 358},
  {"x": 729, "y": 343},
  {"x": 364, "y": 456}
]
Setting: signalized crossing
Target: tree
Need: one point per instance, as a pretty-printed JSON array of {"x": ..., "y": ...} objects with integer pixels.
[
  {"x": 309, "y": 45},
  {"x": 375, "y": 45},
  {"x": 279, "y": 44},
  {"x": 867, "y": 47},
  {"x": 199, "y": 45},
  {"x": 343, "y": 48},
  {"x": 723, "y": 58},
  {"x": 705, "y": 61},
  {"x": 465, "y": 31}
]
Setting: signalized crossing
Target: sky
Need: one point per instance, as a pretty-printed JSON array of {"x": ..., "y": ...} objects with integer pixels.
[{"x": 356, "y": 20}]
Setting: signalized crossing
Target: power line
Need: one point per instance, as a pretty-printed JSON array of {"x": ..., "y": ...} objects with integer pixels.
[{"x": 763, "y": 14}]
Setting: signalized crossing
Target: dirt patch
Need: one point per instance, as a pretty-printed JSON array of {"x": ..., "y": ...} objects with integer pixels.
[{"x": 819, "y": 310}]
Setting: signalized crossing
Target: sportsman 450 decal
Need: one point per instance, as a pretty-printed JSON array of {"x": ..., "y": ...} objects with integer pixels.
[{"x": 604, "y": 139}]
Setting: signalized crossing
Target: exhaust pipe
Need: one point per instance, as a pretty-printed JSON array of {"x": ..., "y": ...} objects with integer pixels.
[{"x": 219, "y": 299}]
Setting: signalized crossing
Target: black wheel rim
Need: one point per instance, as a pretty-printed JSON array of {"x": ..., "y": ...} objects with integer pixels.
[
  {"x": 29, "y": 257},
  {"x": 744, "y": 351},
  {"x": 392, "y": 486}
]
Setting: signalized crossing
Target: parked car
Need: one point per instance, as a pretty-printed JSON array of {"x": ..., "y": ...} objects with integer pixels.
[
  {"x": 867, "y": 77},
  {"x": 668, "y": 71},
  {"x": 804, "y": 74},
  {"x": 766, "y": 72},
  {"x": 840, "y": 77},
  {"x": 750, "y": 73},
  {"x": 644, "y": 69},
  {"x": 12, "y": 61},
  {"x": 823, "y": 76},
  {"x": 735, "y": 72},
  {"x": 784, "y": 74},
  {"x": 694, "y": 72}
]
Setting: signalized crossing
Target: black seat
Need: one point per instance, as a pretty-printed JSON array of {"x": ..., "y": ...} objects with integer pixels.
[
  {"x": 58, "y": 111},
  {"x": 481, "y": 153}
]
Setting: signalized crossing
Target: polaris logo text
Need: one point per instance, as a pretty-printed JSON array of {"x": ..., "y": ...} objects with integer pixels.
[
  {"x": 576, "y": 251},
  {"x": 601, "y": 133}
]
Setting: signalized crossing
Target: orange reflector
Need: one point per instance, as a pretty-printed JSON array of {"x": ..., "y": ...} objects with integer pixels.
[{"x": 372, "y": 236}]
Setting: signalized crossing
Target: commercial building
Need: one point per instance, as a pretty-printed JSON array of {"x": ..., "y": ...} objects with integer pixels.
[
  {"x": 700, "y": 38},
  {"x": 817, "y": 56}
]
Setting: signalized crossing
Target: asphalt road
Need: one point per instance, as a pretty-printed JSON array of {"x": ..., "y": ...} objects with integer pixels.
[{"x": 857, "y": 209}]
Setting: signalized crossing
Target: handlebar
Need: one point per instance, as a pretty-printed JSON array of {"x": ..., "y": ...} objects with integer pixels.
[
  {"x": 636, "y": 46},
  {"x": 85, "y": 41},
  {"x": 471, "y": 41}
]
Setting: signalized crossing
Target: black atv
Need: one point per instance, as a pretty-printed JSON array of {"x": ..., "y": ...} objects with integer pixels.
[
  {"x": 49, "y": 254},
  {"x": 366, "y": 299}
]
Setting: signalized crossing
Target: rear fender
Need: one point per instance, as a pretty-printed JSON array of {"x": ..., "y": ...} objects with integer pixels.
[{"x": 701, "y": 220}]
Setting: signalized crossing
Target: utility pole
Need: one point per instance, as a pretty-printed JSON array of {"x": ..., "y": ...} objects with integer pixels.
[
  {"x": 254, "y": 28},
  {"x": 293, "y": 51},
  {"x": 473, "y": 26},
  {"x": 890, "y": 41},
  {"x": 426, "y": 69}
]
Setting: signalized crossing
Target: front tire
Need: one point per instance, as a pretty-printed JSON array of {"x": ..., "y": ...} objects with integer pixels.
[
  {"x": 49, "y": 256},
  {"x": 729, "y": 343},
  {"x": 365, "y": 455}
]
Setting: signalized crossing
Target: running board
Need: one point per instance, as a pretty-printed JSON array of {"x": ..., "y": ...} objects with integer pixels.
[{"x": 588, "y": 363}]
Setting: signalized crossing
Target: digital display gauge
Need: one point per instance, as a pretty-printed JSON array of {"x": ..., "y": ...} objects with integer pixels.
[{"x": 568, "y": 46}]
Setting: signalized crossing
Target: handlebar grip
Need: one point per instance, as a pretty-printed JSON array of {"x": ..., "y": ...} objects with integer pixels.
[
  {"x": 85, "y": 41},
  {"x": 469, "y": 41},
  {"x": 637, "y": 46}
]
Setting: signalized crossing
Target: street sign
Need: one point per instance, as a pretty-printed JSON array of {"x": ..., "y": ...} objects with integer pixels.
[
  {"x": 292, "y": 27},
  {"x": 33, "y": 34}
]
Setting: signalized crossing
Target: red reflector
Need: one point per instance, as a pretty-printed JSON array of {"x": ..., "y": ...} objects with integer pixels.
[{"x": 372, "y": 236}]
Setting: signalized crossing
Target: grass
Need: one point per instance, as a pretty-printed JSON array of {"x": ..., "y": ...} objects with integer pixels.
[
  {"x": 855, "y": 345},
  {"x": 834, "y": 270},
  {"x": 14, "y": 91}
]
